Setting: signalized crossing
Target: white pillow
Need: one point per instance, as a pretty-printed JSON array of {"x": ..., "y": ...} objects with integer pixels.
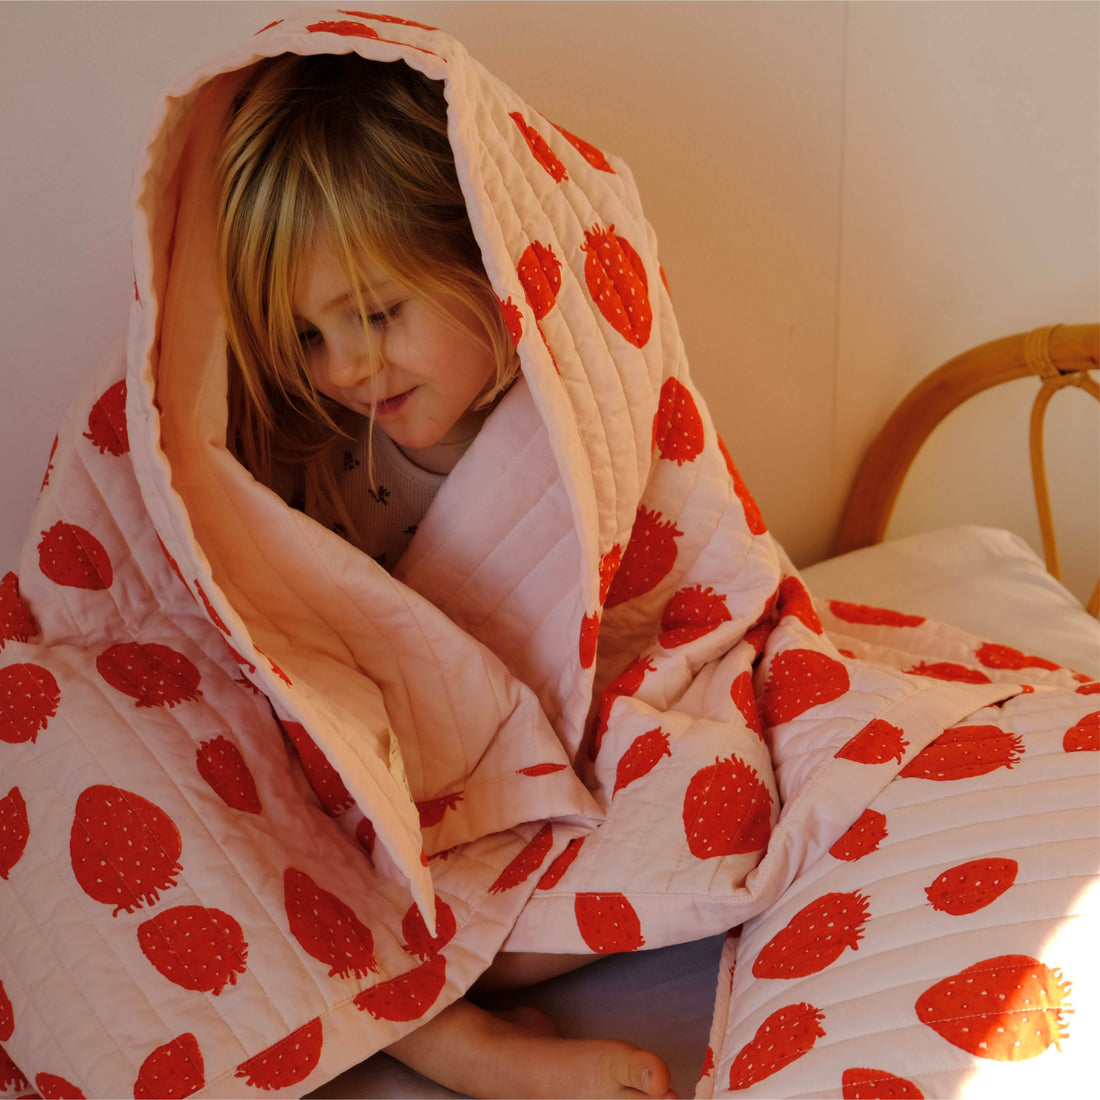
[{"x": 983, "y": 579}]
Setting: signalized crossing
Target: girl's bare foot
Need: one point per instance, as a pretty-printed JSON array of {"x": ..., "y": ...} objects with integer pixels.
[{"x": 520, "y": 1053}]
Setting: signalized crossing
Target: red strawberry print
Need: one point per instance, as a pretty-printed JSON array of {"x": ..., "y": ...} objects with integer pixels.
[
  {"x": 10, "y": 1074},
  {"x": 541, "y": 769},
  {"x": 641, "y": 758},
  {"x": 151, "y": 674},
  {"x": 783, "y": 1037},
  {"x": 245, "y": 664},
  {"x": 795, "y": 600},
  {"x": 609, "y": 566},
  {"x": 366, "y": 835},
  {"x": 876, "y": 743},
  {"x": 29, "y": 698},
  {"x": 586, "y": 150},
  {"x": 708, "y": 1063},
  {"x": 798, "y": 680},
  {"x": 74, "y": 558},
  {"x": 859, "y": 1083},
  {"x": 16, "y": 622},
  {"x": 1084, "y": 736},
  {"x": 608, "y": 923},
  {"x": 949, "y": 670},
  {"x": 387, "y": 19},
  {"x": 211, "y": 610},
  {"x": 527, "y": 862},
  {"x": 971, "y": 886},
  {"x": 172, "y": 562},
  {"x": 124, "y": 849},
  {"x": 867, "y": 832},
  {"x": 1007, "y": 1008},
  {"x": 107, "y": 421},
  {"x": 1003, "y": 656},
  {"x": 691, "y": 613},
  {"x": 648, "y": 559},
  {"x": 814, "y": 938},
  {"x": 15, "y": 831},
  {"x": 513, "y": 319},
  {"x": 677, "y": 425},
  {"x": 769, "y": 611},
  {"x": 539, "y": 273},
  {"x": 616, "y": 279},
  {"x": 195, "y": 947},
  {"x": 744, "y": 698},
  {"x": 49, "y": 462},
  {"x": 872, "y": 616},
  {"x": 418, "y": 940},
  {"x": 431, "y": 810},
  {"x": 627, "y": 683},
  {"x": 322, "y": 776},
  {"x": 590, "y": 636},
  {"x": 344, "y": 27},
  {"x": 727, "y": 810},
  {"x": 172, "y": 1071},
  {"x": 7, "y": 1016},
  {"x": 630, "y": 679},
  {"x": 408, "y": 996},
  {"x": 276, "y": 670},
  {"x": 553, "y": 874},
  {"x": 326, "y": 927},
  {"x": 287, "y": 1062},
  {"x": 753, "y": 519},
  {"x": 541, "y": 151},
  {"x": 758, "y": 634},
  {"x": 221, "y": 764},
  {"x": 963, "y": 752},
  {"x": 52, "y": 1087}
]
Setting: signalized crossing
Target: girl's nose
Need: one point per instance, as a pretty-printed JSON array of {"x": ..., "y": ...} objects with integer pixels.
[{"x": 350, "y": 365}]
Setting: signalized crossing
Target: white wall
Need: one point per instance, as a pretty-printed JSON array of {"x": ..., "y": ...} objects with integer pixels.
[
  {"x": 970, "y": 211},
  {"x": 845, "y": 194}
]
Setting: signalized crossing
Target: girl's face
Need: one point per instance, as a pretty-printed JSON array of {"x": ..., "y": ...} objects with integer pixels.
[{"x": 413, "y": 368}]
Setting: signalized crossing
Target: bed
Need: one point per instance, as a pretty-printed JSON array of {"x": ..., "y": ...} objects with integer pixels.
[{"x": 986, "y": 580}]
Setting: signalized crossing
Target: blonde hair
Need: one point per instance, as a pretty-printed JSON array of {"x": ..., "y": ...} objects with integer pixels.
[{"x": 354, "y": 152}]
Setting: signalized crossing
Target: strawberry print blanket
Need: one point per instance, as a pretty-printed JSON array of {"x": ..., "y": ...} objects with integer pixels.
[{"x": 266, "y": 807}]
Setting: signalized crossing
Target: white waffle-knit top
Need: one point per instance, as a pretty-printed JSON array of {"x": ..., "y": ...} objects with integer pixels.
[{"x": 388, "y": 507}]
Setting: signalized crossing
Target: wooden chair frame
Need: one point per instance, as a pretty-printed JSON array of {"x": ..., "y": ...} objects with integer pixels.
[{"x": 1059, "y": 355}]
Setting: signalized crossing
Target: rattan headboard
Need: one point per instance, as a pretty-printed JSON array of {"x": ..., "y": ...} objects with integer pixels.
[{"x": 1059, "y": 355}]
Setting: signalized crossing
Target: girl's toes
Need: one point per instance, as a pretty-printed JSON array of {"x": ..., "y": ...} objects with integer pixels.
[{"x": 647, "y": 1073}]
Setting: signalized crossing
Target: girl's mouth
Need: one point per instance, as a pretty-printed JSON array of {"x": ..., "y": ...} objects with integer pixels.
[{"x": 390, "y": 405}]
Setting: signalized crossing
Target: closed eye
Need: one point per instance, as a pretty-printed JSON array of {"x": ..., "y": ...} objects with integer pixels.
[
  {"x": 385, "y": 316},
  {"x": 309, "y": 337}
]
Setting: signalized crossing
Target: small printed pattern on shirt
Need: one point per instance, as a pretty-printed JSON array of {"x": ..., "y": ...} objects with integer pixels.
[{"x": 387, "y": 510}]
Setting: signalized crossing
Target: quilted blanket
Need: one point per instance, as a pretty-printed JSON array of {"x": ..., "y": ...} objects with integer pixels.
[{"x": 265, "y": 807}]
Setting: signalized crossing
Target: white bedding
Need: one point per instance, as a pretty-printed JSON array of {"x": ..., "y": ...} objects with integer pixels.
[{"x": 984, "y": 579}]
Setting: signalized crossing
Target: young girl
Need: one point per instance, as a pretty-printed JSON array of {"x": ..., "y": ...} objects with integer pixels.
[
  {"x": 368, "y": 350},
  {"x": 353, "y": 285}
]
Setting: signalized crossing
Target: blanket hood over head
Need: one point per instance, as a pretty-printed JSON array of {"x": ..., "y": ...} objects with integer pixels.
[{"x": 273, "y": 806}]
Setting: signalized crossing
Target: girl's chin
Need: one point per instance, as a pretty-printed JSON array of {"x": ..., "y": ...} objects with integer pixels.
[{"x": 437, "y": 452}]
